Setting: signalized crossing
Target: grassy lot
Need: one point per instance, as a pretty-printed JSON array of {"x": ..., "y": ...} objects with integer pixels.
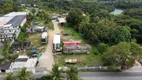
[
  {"x": 83, "y": 59},
  {"x": 35, "y": 38},
  {"x": 73, "y": 34}
]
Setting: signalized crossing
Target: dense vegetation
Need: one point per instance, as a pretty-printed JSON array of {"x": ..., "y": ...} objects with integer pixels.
[{"x": 7, "y": 6}]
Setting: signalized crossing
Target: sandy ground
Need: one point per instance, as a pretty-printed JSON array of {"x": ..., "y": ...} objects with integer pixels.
[
  {"x": 47, "y": 58},
  {"x": 136, "y": 68}
]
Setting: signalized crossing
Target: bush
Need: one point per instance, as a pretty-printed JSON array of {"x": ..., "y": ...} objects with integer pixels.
[
  {"x": 12, "y": 57},
  {"x": 102, "y": 47},
  {"x": 29, "y": 53}
]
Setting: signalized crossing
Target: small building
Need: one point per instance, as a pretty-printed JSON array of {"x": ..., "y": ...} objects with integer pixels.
[
  {"x": 36, "y": 30},
  {"x": 76, "y": 47},
  {"x": 20, "y": 46},
  {"x": 56, "y": 42},
  {"x": 72, "y": 43},
  {"x": 44, "y": 37},
  {"x": 5, "y": 67},
  {"x": 54, "y": 16},
  {"x": 34, "y": 23},
  {"x": 23, "y": 61},
  {"x": 65, "y": 14},
  {"x": 61, "y": 21}
]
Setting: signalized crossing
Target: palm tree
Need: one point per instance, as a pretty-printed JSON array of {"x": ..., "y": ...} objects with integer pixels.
[
  {"x": 10, "y": 76},
  {"x": 24, "y": 75},
  {"x": 72, "y": 73},
  {"x": 56, "y": 73}
]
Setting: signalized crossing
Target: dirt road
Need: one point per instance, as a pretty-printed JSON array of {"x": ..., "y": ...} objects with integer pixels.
[
  {"x": 56, "y": 28},
  {"x": 47, "y": 58}
]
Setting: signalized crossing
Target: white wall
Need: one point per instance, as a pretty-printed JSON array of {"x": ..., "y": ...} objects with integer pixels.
[{"x": 23, "y": 22}]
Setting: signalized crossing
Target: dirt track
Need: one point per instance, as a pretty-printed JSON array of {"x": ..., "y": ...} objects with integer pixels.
[{"x": 47, "y": 58}]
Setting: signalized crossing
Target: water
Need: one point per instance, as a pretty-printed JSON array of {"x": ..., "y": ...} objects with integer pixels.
[{"x": 116, "y": 12}]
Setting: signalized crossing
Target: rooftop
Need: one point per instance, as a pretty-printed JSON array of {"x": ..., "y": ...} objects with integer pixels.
[
  {"x": 5, "y": 66},
  {"x": 21, "y": 59},
  {"x": 61, "y": 20},
  {"x": 16, "y": 13},
  {"x": 56, "y": 38},
  {"x": 14, "y": 18},
  {"x": 4, "y": 20},
  {"x": 17, "y": 20},
  {"x": 24, "y": 61}
]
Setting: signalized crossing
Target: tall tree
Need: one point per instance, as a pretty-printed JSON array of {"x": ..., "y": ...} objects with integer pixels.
[
  {"x": 72, "y": 73},
  {"x": 121, "y": 34},
  {"x": 56, "y": 73},
  {"x": 74, "y": 18},
  {"x": 123, "y": 54},
  {"x": 136, "y": 50}
]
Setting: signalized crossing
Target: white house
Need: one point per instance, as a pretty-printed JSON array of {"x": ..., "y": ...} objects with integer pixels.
[
  {"x": 10, "y": 25},
  {"x": 62, "y": 20}
]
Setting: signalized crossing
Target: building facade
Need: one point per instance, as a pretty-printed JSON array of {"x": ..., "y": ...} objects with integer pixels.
[{"x": 10, "y": 25}]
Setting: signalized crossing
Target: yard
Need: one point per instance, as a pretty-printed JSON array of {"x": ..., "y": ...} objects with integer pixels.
[
  {"x": 71, "y": 34},
  {"x": 35, "y": 38},
  {"x": 83, "y": 59}
]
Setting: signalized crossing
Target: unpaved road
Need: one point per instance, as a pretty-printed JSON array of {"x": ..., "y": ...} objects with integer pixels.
[
  {"x": 56, "y": 28},
  {"x": 47, "y": 58}
]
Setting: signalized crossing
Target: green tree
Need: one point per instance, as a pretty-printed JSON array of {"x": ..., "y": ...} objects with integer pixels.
[
  {"x": 102, "y": 47},
  {"x": 47, "y": 77},
  {"x": 119, "y": 55},
  {"x": 136, "y": 50},
  {"x": 74, "y": 18},
  {"x": 56, "y": 73},
  {"x": 121, "y": 34},
  {"x": 72, "y": 73},
  {"x": 33, "y": 11},
  {"x": 123, "y": 54},
  {"x": 24, "y": 74}
]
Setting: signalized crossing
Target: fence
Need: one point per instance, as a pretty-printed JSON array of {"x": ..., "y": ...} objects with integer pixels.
[{"x": 93, "y": 68}]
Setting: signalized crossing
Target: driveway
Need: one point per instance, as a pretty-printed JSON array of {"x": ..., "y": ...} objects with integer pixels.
[{"x": 47, "y": 58}]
